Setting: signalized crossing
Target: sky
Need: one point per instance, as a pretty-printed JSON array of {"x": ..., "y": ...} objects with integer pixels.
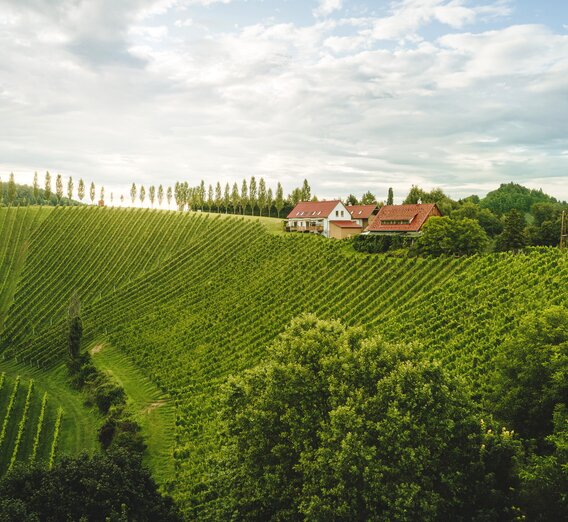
[{"x": 353, "y": 95}]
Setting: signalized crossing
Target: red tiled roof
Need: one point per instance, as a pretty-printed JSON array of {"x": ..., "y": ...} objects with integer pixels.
[
  {"x": 345, "y": 224},
  {"x": 416, "y": 213},
  {"x": 361, "y": 211},
  {"x": 313, "y": 209}
]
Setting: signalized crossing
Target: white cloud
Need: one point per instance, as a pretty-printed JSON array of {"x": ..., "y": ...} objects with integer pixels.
[
  {"x": 326, "y": 7},
  {"x": 283, "y": 101}
]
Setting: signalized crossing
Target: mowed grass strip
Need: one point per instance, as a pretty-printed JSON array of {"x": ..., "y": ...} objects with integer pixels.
[{"x": 153, "y": 409}]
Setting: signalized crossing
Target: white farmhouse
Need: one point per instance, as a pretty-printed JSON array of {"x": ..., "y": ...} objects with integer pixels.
[{"x": 327, "y": 218}]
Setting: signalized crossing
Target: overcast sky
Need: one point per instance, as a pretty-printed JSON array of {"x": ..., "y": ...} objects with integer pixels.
[{"x": 354, "y": 95}]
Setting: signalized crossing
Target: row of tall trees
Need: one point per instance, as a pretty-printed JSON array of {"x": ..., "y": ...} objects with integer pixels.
[{"x": 252, "y": 196}]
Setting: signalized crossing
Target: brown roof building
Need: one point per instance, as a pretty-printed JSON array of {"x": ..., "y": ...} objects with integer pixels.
[
  {"x": 327, "y": 218},
  {"x": 402, "y": 219},
  {"x": 362, "y": 214}
]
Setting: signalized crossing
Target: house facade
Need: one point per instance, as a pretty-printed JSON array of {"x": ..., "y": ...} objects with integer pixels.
[
  {"x": 327, "y": 218},
  {"x": 362, "y": 214},
  {"x": 404, "y": 220}
]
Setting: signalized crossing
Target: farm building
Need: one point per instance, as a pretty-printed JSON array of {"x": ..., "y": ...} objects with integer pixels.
[
  {"x": 327, "y": 218},
  {"x": 362, "y": 214},
  {"x": 402, "y": 219}
]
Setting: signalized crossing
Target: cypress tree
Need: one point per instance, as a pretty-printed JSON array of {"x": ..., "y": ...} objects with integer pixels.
[
  {"x": 390, "y": 197},
  {"x": 160, "y": 195},
  {"x": 218, "y": 196},
  {"x": 70, "y": 189},
  {"x": 81, "y": 190},
  {"x": 279, "y": 200},
  {"x": 59, "y": 188},
  {"x": 11, "y": 189},
  {"x": 306, "y": 191},
  {"x": 133, "y": 193},
  {"x": 36, "y": 188},
  {"x": 226, "y": 198},
  {"x": 269, "y": 200},
  {"x": 252, "y": 194},
  {"x": 244, "y": 196},
  {"x": 47, "y": 186},
  {"x": 261, "y": 195}
]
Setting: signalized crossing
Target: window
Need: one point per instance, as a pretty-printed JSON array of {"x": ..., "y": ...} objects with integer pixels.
[
  {"x": 337, "y": 213},
  {"x": 342, "y": 213}
]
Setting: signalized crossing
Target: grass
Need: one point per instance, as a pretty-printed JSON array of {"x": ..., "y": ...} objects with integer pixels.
[{"x": 150, "y": 407}]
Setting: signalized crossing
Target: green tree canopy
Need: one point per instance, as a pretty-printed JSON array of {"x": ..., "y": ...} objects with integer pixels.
[
  {"x": 442, "y": 235},
  {"x": 514, "y": 235},
  {"x": 511, "y": 196},
  {"x": 488, "y": 221},
  {"x": 338, "y": 427}
]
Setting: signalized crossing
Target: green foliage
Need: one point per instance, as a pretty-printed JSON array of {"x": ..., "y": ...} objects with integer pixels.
[
  {"x": 533, "y": 373},
  {"x": 488, "y": 221},
  {"x": 111, "y": 486},
  {"x": 332, "y": 427},
  {"x": 545, "y": 229},
  {"x": 390, "y": 197},
  {"x": 417, "y": 195},
  {"x": 376, "y": 243},
  {"x": 512, "y": 196},
  {"x": 443, "y": 235},
  {"x": 544, "y": 487},
  {"x": 368, "y": 199},
  {"x": 514, "y": 235}
]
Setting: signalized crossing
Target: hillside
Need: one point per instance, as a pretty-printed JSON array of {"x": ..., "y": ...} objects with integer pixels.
[{"x": 191, "y": 299}]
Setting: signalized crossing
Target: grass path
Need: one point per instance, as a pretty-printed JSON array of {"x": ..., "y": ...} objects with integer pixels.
[{"x": 150, "y": 407}]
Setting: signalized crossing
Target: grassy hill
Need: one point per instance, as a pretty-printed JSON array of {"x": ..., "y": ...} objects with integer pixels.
[{"x": 179, "y": 301}]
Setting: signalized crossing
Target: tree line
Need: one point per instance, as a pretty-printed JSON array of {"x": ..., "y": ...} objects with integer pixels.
[{"x": 253, "y": 197}]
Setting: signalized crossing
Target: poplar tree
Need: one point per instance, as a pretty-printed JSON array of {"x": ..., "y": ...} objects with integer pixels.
[
  {"x": 279, "y": 200},
  {"x": 152, "y": 195},
  {"x": 47, "y": 192},
  {"x": 111, "y": 198},
  {"x": 142, "y": 194},
  {"x": 92, "y": 192},
  {"x": 160, "y": 195},
  {"x": 218, "y": 196},
  {"x": 390, "y": 197},
  {"x": 252, "y": 194},
  {"x": 121, "y": 200},
  {"x": 210, "y": 197},
  {"x": 227, "y": 198},
  {"x": 177, "y": 195},
  {"x": 70, "y": 189},
  {"x": 306, "y": 191},
  {"x": 36, "y": 188},
  {"x": 235, "y": 197},
  {"x": 244, "y": 197},
  {"x": 59, "y": 188},
  {"x": 81, "y": 190},
  {"x": 11, "y": 189},
  {"x": 261, "y": 195},
  {"x": 201, "y": 194},
  {"x": 269, "y": 200},
  {"x": 169, "y": 196},
  {"x": 102, "y": 196},
  {"x": 133, "y": 193}
]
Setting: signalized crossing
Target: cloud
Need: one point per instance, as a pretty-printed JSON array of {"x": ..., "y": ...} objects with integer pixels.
[
  {"x": 323, "y": 100},
  {"x": 326, "y": 7}
]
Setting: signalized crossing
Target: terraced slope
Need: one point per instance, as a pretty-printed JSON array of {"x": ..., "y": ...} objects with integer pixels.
[
  {"x": 192, "y": 300},
  {"x": 30, "y": 423},
  {"x": 16, "y": 226}
]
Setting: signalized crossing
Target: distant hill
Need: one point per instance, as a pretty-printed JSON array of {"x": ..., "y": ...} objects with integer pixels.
[
  {"x": 514, "y": 196},
  {"x": 25, "y": 197}
]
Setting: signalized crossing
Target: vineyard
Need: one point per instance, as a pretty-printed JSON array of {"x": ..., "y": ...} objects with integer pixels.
[
  {"x": 191, "y": 299},
  {"x": 31, "y": 423}
]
